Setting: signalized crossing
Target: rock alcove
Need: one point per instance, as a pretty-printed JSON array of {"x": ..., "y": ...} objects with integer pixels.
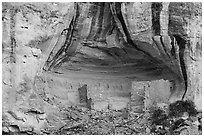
[{"x": 97, "y": 55}]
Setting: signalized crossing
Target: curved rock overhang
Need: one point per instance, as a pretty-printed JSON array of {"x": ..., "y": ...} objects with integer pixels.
[
  {"x": 99, "y": 40},
  {"x": 137, "y": 41}
]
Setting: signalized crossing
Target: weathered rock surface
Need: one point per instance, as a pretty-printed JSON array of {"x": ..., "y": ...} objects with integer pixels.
[{"x": 52, "y": 50}]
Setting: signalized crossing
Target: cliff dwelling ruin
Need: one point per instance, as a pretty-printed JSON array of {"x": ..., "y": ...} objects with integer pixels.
[{"x": 96, "y": 57}]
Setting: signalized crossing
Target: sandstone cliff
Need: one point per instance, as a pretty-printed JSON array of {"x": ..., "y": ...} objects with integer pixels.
[{"x": 51, "y": 50}]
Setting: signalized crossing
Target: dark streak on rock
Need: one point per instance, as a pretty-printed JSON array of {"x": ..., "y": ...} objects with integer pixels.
[
  {"x": 94, "y": 10},
  {"x": 164, "y": 47},
  {"x": 173, "y": 50},
  {"x": 100, "y": 22},
  {"x": 13, "y": 12},
  {"x": 182, "y": 45},
  {"x": 156, "y": 10}
]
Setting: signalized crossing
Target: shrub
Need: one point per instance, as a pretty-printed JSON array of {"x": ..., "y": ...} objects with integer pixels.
[{"x": 178, "y": 108}]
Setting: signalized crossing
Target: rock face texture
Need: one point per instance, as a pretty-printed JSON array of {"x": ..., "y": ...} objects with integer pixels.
[{"x": 56, "y": 55}]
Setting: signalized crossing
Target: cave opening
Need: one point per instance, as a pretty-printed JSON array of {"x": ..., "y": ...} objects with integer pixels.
[{"x": 118, "y": 56}]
